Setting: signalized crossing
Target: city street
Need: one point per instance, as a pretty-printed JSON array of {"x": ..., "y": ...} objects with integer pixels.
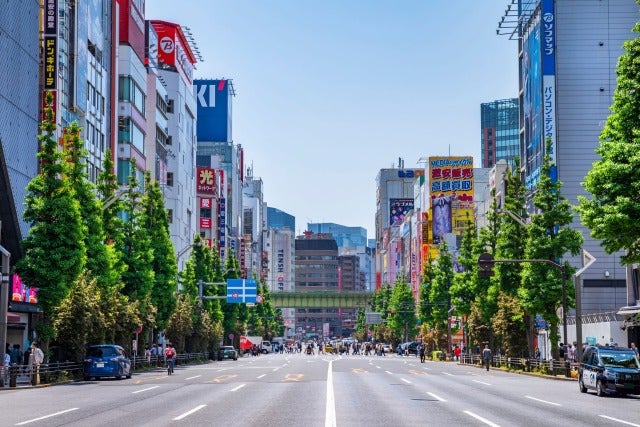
[{"x": 319, "y": 390}]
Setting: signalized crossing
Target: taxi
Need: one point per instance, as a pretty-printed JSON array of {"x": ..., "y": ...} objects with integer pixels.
[{"x": 609, "y": 370}]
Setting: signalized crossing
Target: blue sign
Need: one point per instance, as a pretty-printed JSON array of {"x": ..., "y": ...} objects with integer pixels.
[
  {"x": 242, "y": 290},
  {"x": 214, "y": 110}
]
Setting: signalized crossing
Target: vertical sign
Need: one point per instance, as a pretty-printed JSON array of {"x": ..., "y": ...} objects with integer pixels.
[
  {"x": 50, "y": 44},
  {"x": 222, "y": 205},
  {"x": 548, "y": 77}
]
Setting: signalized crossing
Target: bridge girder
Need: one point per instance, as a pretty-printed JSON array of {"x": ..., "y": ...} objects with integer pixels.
[{"x": 321, "y": 299}]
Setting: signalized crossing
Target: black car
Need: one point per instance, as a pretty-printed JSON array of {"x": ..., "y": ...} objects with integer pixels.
[
  {"x": 412, "y": 347},
  {"x": 228, "y": 352},
  {"x": 609, "y": 370}
]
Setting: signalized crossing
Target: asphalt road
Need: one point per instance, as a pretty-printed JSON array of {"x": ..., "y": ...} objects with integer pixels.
[{"x": 318, "y": 390}]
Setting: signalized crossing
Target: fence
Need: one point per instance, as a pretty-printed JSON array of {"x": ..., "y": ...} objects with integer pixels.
[
  {"x": 550, "y": 367},
  {"x": 47, "y": 373}
]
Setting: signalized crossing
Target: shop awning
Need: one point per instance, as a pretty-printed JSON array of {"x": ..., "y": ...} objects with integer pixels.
[{"x": 13, "y": 318}]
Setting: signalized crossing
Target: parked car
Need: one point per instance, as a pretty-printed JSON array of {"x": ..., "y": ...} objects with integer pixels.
[
  {"x": 387, "y": 348},
  {"x": 411, "y": 345},
  {"x": 609, "y": 370},
  {"x": 106, "y": 360},
  {"x": 228, "y": 352}
]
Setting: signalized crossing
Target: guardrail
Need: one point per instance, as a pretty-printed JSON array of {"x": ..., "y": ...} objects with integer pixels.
[
  {"x": 549, "y": 367},
  {"x": 47, "y": 373}
]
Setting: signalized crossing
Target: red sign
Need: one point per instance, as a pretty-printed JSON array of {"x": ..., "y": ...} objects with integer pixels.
[
  {"x": 206, "y": 181},
  {"x": 205, "y": 222},
  {"x": 206, "y": 203},
  {"x": 208, "y": 242}
]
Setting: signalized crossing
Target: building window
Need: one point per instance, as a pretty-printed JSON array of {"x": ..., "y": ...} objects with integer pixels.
[
  {"x": 170, "y": 179},
  {"x": 170, "y": 216},
  {"x": 128, "y": 132},
  {"x": 130, "y": 91}
]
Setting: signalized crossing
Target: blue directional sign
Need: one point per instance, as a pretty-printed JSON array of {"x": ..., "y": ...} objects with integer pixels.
[{"x": 242, "y": 290}]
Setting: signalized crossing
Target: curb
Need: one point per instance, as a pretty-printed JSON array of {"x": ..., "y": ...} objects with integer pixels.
[{"x": 529, "y": 374}]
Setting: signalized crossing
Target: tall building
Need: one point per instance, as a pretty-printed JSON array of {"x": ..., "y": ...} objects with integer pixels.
[
  {"x": 500, "y": 132},
  {"x": 568, "y": 53},
  {"x": 280, "y": 219},
  {"x": 279, "y": 269},
  {"x": 176, "y": 60},
  {"x": 19, "y": 94},
  {"x": 316, "y": 265},
  {"x": 351, "y": 241},
  {"x": 395, "y": 198},
  {"x": 254, "y": 225},
  {"x": 216, "y": 150}
]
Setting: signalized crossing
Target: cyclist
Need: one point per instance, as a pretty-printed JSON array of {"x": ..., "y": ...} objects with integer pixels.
[
  {"x": 170, "y": 355},
  {"x": 421, "y": 350}
]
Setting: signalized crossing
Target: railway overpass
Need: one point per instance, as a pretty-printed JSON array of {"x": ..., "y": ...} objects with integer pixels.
[{"x": 349, "y": 299}]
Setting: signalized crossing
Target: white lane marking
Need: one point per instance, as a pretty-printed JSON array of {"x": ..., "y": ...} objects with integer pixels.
[
  {"x": 238, "y": 388},
  {"x": 46, "y": 416},
  {"x": 406, "y": 381},
  {"x": 479, "y": 418},
  {"x": 186, "y": 414},
  {"x": 145, "y": 389},
  {"x": 436, "y": 397},
  {"x": 543, "y": 401},
  {"x": 447, "y": 373},
  {"x": 480, "y": 382},
  {"x": 190, "y": 378},
  {"x": 275, "y": 369},
  {"x": 620, "y": 421},
  {"x": 388, "y": 372},
  {"x": 378, "y": 367},
  {"x": 260, "y": 376},
  {"x": 330, "y": 411}
]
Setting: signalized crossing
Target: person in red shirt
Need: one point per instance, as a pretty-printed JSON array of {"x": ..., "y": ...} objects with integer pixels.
[{"x": 457, "y": 351}]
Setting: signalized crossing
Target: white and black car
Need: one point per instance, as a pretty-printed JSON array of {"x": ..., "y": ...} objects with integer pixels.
[{"x": 609, "y": 370}]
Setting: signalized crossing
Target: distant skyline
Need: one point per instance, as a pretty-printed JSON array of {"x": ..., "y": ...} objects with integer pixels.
[{"x": 329, "y": 93}]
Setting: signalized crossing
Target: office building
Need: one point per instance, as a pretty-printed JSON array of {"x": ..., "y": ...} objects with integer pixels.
[{"x": 500, "y": 132}]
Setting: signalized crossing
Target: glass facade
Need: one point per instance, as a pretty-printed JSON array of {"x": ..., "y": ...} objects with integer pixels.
[{"x": 500, "y": 132}]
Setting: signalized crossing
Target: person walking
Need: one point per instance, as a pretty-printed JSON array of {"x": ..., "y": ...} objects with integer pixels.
[{"x": 486, "y": 356}]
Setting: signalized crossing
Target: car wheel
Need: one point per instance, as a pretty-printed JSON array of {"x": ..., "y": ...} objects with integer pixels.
[
  {"x": 583, "y": 389},
  {"x": 600, "y": 389}
]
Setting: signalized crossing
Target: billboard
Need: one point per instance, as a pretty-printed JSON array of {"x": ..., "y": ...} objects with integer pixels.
[
  {"x": 549, "y": 78},
  {"x": 532, "y": 101},
  {"x": 206, "y": 181},
  {"x": 214, "y": 110},
  {"x": 451, "y": 186},
  {"x": 398, "y": 208}
]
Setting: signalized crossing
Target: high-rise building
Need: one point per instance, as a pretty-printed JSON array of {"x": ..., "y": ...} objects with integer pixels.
[
  {"x": 278, "y": 268},
  {"x": 316, "y": 265},
  {"x": 395, "y": 197},
  {"x": 500, "y": 132},
  {"x": 280, "y": 219},
  {"x": 351, "y": 241},
  {"x": 254, "y": 225},
  {"x": 568, "y": 53},
  {"x": 19, "y": 95},
  {"x": 176, "y": 60}
]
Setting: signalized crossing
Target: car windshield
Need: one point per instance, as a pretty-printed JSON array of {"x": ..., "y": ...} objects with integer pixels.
[{"x": 619, "y": 359}]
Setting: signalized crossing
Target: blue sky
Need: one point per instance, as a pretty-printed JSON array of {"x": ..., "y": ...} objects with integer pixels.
[{"x": 330, "y": 92}]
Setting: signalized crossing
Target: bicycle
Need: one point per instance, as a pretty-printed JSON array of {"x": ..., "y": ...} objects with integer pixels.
[{"x": 169, "y": 366}]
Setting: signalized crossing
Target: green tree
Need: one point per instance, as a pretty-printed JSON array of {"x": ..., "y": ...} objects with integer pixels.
[
  {"x": 613, "y": 212},
  {"x": 180, "y": 324},
  {"x": 463, "y": 287},
  {"x": 54, "y": 251},
  {"x": 361, "y": 325},
  {"x": 165, "y": 267},
  {"x": 550, "y": 238},
  {"x": 79, "y": 319},
  {"x": 101, "y": 258},
  {"x": 402, "y": 317}
]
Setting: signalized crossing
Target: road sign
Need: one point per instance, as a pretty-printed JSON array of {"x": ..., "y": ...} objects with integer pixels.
[
  {"x": 259, "y": 298},
  {"x": 242, "y": 291}
]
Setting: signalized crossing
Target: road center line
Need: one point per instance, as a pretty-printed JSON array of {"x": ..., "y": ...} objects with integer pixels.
[
  {"x": 46, "y": 416},
  {"x": 145, "y": 389},
  {"x": 436, "y": 397},
  {"x": 190, "y": 378},
  {"x": 330, "y": 411},
  {"x": 543, "y": 401},
  {"x": 620, "y": 421},
  {"x": 480, "y": 382},
  {"x": 479, "y": 418},
  {"x": 186, "y": 414},
  {"x": 238, "y": 388},
  {"x": 260, "y": 376},
  {"x": 406, "y": 381}
]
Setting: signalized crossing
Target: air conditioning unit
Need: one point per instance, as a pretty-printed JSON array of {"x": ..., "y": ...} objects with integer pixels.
[{"x": 166, "y": 130}]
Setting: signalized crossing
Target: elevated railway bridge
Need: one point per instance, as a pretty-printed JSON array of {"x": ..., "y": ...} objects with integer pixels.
[{"x": 345, "y": 299}]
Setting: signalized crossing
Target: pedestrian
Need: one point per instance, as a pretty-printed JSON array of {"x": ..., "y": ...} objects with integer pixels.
[
  {"x": 634, "y": 348},
  {"x": 456, "y": 352},
  {"x": 537, "y": 354},
  {"x": 561, "y": 351},
  {"x": 35, "y": 360},
  {"x": 16, "y": 355},
  {"x": 486, "y": 355},
  {"x": 147, "y": 353}
]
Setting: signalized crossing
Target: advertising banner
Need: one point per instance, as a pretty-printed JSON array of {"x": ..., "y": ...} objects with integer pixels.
[
  {"x": 214, "y": 110},
  {"x": 205, "y": 222},
  {"x": 206, "y": 203},
  {"x": 548, "y": 75},
  {"x": 206, "y": 181},
  {"x": 451, "y": 180},
  {"x": 398, "y": 208}
]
